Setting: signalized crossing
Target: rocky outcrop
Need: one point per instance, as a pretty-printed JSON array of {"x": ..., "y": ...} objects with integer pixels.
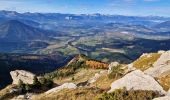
[
  {"x": 161, "y": 67},
  {"x": 64, "y": 86},
  {"x": 25, "y": 76},
  {"x": 137, "y": 80}
]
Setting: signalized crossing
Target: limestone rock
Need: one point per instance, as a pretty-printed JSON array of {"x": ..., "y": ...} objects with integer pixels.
[
  {"x": 168, "y": 94},
  {"x": 25, "y": 76},
  {"x": 64, "y": 86},
  {"x": 161, "y": 52},
  {"x": 163, "y": 98},
  {"x": 137, "y": 80},
  {"x": 130, "y": 67},
  {"x": 161, "y": 67}
]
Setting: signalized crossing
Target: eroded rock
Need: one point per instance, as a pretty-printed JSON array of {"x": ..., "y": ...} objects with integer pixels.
[{"x": 25, "y": 76}]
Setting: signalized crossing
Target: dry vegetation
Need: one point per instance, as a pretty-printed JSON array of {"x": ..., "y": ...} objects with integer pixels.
[
  {"x": 103, "y": 82},
  {"x": 96, "y": 64},
  {"x": 123, "y": 94},
  {"x": 165, "y": 82},
  {"x": 146, "y": 61},
  {"x": 81, "y": 75},
  {"x": 71, "y": 94},
  {"x": 5, "y": 93}
]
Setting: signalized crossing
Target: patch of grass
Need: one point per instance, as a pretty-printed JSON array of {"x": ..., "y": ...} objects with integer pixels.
[
  {"x": 71, "y": 94},
  {"x": 146, "y": 61},
  {"x": 81, "y": 75},
  {"x": 123, "y": 94},
  {"x": 103, "y": 82},
  {"x": 165, "y": 82},
  {"x": 68, "y": 50},
  {"x": 117, "y": 72},
  {"x": 5, "y": 93}
]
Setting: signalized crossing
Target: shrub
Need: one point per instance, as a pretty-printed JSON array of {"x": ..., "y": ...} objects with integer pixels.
[
  {"x": 41, "y": 84},
  {"x": 36, "y": 84},
  {"x": 28, "y": 87},
  {"x": 116, "y": 72}
]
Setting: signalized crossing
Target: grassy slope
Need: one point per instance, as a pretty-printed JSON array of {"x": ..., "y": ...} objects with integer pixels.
[{"x": 146, "y": 61}]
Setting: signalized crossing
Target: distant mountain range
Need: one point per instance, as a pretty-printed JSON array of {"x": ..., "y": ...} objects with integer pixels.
[{"x": 42, "y": 17}]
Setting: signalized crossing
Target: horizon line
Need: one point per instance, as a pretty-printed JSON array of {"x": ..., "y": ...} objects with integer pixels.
[{"x": 84, "y": 14}]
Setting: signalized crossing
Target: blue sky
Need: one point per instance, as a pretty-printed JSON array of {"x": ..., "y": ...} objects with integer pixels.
[{"x": 120, "y": 7}]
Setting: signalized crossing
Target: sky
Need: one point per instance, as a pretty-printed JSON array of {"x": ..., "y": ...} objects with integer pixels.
[{"x": 118, "y": 7}]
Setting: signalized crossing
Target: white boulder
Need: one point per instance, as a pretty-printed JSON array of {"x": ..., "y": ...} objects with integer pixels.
[
  {"x": 25, "y": 76},
  {"x": 64, "y": 86},
  {"x": 137, "y": 80}
]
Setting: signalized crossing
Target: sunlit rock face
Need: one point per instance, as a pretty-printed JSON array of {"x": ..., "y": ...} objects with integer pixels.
[
  {"x": 161, "y": 67},
  {"x": 64, "y": 86},
  {"x": 21, "y": 75},
  {"x": 137, "y": 80}
]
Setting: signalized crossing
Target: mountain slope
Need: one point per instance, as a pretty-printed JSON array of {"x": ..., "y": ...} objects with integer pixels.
[
  {"x": 138, "y": 85},
  {"x": 38, "y": 64},
  {"x": 14, "y": 30},
  {"x": 163, "y": 26}
]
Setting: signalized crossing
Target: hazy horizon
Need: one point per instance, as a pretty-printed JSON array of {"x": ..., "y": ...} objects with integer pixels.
[{"x": 111, "y": 7}]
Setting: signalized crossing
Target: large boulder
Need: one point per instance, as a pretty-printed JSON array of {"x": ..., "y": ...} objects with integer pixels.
[
  {"x": 21, "y": 75},
  {"x": 137, "y": 80},
  {"x": 161, "y": 67},
  {"x": 64, "y": 86}
]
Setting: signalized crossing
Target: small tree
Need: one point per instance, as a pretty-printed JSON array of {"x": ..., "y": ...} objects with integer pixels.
[
  {"x": 45, "y": 82},
  {"x": 21, "y": 85},
  {"x": 72, "y": 78},
  {"x": 36, "y": 83},
  {"x": 28, "y": 87},
  {"x": 49, "y": 83}
]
